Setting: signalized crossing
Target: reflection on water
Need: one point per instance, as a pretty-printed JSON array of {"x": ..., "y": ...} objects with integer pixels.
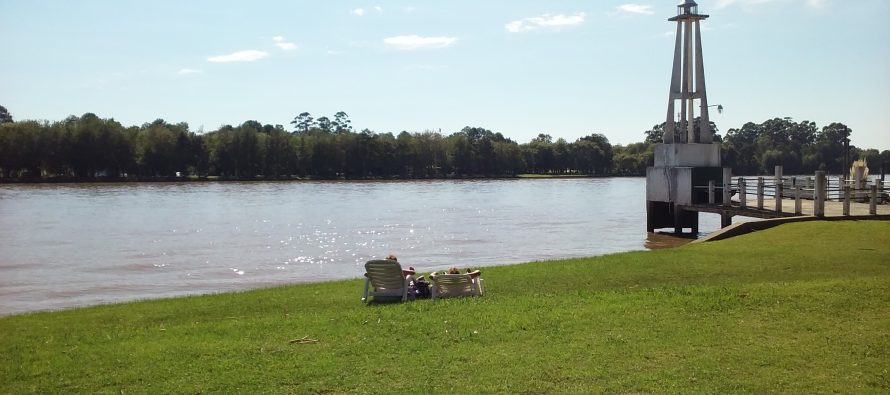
[{"x": 79, "y": 244}]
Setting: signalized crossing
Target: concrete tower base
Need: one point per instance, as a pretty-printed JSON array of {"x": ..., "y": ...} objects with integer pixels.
[{"x": 680, "y": 177}]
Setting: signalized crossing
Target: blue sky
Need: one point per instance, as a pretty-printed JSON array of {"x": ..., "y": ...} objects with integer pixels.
[{"x": 566, "y": 68}]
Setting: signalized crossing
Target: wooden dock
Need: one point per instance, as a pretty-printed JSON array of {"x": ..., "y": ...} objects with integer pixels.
[{"x": 832, "y": 209}]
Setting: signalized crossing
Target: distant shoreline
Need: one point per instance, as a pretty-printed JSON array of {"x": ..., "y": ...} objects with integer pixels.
[{"x": 99, "y": 180}]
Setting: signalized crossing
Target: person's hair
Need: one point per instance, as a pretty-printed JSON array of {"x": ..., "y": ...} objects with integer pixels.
[
  {"x": 392, "y": 258},
  {"x": 453, "y": 270}
]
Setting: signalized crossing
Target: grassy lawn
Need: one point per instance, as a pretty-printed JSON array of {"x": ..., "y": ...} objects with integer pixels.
[{"x": 801, "y": 308}]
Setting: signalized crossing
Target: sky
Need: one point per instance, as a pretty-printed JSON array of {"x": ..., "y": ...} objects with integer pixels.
[{"x": 564, "y": 68}]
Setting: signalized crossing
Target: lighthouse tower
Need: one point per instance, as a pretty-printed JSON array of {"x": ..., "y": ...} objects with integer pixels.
[
  {"x": 688, "y": 80},
  {"x": 687, "y": 160}
]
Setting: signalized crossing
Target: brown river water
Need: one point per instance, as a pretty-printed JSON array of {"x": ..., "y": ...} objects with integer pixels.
[{"x": 70, "y": 245}]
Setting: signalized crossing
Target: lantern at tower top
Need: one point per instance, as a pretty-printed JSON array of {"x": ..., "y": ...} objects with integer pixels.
[{"x": 688, "y": 10}]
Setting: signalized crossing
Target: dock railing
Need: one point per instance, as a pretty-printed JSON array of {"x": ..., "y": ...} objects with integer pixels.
[{"x": 818, "y": 188}]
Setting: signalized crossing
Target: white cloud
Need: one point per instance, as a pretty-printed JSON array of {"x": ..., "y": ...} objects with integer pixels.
[
  {"x": 359, "y": 11},
  {"x": 418, "y": 42},
  {"x": 249, "y": 55},
  {"x": 635, "y": 9},
  {"x": 378, "y": 8},
  {"x": 280, "y": 42},
  {"x": 744, "y": 3},
  {"x": 751, "y": 3},
  {"x": 545, "y": 21},
  {"x": 189, "y": 71}
]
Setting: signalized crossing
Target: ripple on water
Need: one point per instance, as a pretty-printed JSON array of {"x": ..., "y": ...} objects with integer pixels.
[{"x": 167, "y": 239}]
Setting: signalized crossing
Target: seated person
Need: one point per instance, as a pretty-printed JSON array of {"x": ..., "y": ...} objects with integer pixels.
[
  {"x": 408, "y": 273},
  {"x": 455, "y": 270},
  {"x": 417, "y": 287}
]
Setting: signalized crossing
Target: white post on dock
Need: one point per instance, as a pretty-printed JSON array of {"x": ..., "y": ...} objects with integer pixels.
[
  {"x": 819, "y": 195},
  {"x": 760, "y": 193},
  {"x": 846, "y": 200},
  {"x": 798, "y": 192},
  {"x": 727, "y": 186},
  {"x": 710, "y": 191},
  {"x": 778, "y": 189},
  {"x": 743, "y": 195},
  {"x": 859, "y": 184},
  {"x": 873, "y": 208},
  {"x": 841, "y": 181}
]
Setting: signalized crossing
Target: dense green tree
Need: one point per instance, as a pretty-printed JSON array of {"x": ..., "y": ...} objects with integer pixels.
[
  {"x": 633, "y": 159},
  {"x": 5, "y": 117},
  {"x": 341, "y": 123},
  {"x": 20, "y": 149},
  {"x": 90, "y": 147},
  {"x": 303, "y": 122},
  {"x": 324, "y": 124},
  {"x": 281, "y": 154},
  {"x": 593, "y": 154},
  {"x": 656, "y": 134}
]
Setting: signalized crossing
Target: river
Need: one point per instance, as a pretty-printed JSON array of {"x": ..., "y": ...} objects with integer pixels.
[{"x": 69, "y": 245}]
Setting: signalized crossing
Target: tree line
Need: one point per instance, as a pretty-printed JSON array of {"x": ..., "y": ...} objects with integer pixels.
[{"x": 90, "y": 147}]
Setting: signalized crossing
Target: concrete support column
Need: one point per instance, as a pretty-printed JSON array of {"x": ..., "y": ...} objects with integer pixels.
[
  {"x": 778, "y": 189},
  {"x": 846, "y": 200},
  {"x": 819, "y": 195},
  {"x": 859, "y": 182},
  {"x": 649, "y": 226},
  {"x": 727, "y": 186},
  {"x": 743, "y": 193},
  {"x": 873, "y": 207},
  {"x": 778, "y": 198},
  {"x": 798, "y": 192},
  {"x": 881, "y": 190},
  {"x": 705, "y": 134},
  {"x": 841, "y": 182},
  {"x": 671, "y": 134},
  {"x": 760, "y": 193},
  {"x": 689, "y": 87},
  {"x": 711, "y": 192},
  {"x": 725, "y": 220},
  {"x": 678, "y": 220}
]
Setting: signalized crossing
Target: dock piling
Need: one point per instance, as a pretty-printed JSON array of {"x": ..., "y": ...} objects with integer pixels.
[
  {"x": 819, "y": 195},
  {"x": 727, "y": 186},
  {"x": 778, "y": 189},
  {"x": 743, "y": 193},
  {"x": 711, "y": 192},
  {"x": 760, "y": 193}
]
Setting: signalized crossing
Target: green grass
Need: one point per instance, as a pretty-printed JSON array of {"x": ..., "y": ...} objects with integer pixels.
[{"x": 801, "y": 308}]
